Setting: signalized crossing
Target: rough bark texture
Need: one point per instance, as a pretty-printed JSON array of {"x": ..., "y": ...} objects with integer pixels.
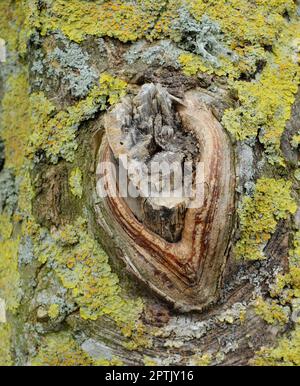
[{"x": 85, "y": 280}]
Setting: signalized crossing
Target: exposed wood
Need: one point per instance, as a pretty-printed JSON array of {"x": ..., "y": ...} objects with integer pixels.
[{"x": 188, "y": 272}]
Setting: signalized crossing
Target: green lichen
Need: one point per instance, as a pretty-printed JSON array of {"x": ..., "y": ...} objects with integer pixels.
[
  {"x": 271, "y": 311},
  {"x": 165, "y": 53},
  {"x": 55, "y": 132},
  {"x": 260, "y": 214},
  {"x": 75, "y": 182},
  {"x": 203, "y": 37}
]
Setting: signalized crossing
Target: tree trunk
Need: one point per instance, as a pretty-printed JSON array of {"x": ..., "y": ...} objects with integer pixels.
[{"x": 206, "y": 278}]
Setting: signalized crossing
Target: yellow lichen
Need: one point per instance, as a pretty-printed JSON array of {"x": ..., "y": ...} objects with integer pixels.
[
  {"x": 105, "y": 362},
  {"x": 75, "y": 182},
  {"x": 201, "y": 360},
  {"x": 266, "y": 102},
  {"x": 118, "y": 19},
  {"x": 6, "y": 227},
  {"x": 83, "y": 268},
  {"x": 36, "y": 118},
  {"x": 53, "y": 311},
  {"x": 15, "y": 120},
  {"x": 246, "y": 21},
  {"x": 61, "y": 349},
  {"x": 138, "y": 336},
  {"x": 287, "y": 352},
  {"x": 56, "y": 135},
  {"x": 149, "y": 361},
  {"x": 13, "y": 27},
  {"x": 285, "y": 291},
  {"x": 260, "y": 214},
  {"x": 5, "y": 355},
  {"x": 287, "y": 286},
  {"x": 192, "y": 64},
  {"x": 26, "y": 194},
  {"x": 270, "y": 311},
  {"x": 81, "y": 264},
  {"x": 9, "y": 275},
  {"x": 294, "y": 257},
  {"x": 14, "y": 129}
]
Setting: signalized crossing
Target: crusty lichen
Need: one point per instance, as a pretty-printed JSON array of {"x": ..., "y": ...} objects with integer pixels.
[
  {"x": 271, "y": 311},
  {"x": 83, "y": 268},
  {"x": 149, "y": 361},
  {"x": 31, "y": 123},
  {"x": 13, "y": 28},
  {"x": 119, "y": 19},
  {"x": 193, "y": 64},
  {"x": 14, "y": 129},
  {"x": 245, "y": 21},
  {"x": 201, "y": 360},
  {"x": 260, "y": 214},
  {"x": 285, "y": 292},
  {"x": 55, "y": 132},
  {"x": 60, "y": 349},
  {"x": 75, "y": 182},
  {"x": 287, "y": 286},
  {"x": 53, "y": 311},
  {"x": 5, "y": 335},
  {"x": 9, "y": 275},
  {"x": 287, "y": 352},
  {"x": 15, "y": 119},
  {"x": 266, "y": 102},
  {"x": 294, "y": 257}
]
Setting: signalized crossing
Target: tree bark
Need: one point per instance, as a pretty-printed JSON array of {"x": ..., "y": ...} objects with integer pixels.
[{"x": 134, "y": 281}]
